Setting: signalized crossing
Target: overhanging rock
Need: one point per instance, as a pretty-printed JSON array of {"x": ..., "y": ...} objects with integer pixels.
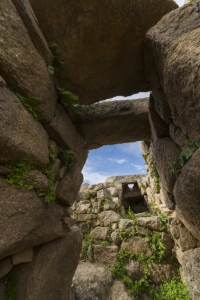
[
  {"x": 101, "y": 43},
  {"x": 115, "y": 122}
]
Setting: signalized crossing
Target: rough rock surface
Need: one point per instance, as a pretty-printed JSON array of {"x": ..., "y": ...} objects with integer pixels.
[
  {"x": 112, "y": 67},
  {"x": 85, "y": 217},
  {"x": 63, "y": 132},
  {"x": 144, "y": 147},
  {"x": 91, "y": 282},
  {"x": 167, "y": 198},
  {"x": 109, "y": 205},
  {"x": 165, "y": 153},
  {"x": 108, "y": 217},
  {"x": 134, "y": 270},
  {"x": 49, "y": 275},
  {"x": 170, "y": 67},
  {"x": 118, "y": 292},
  {"x": 159, "y": 128},
  {"x": 186, "y": 194},
  {"x": 183, "y": 237},
  {"x": 99, "y": 233},
  {"x": 20, "y": 135},
  {"x": 166, "y": 269},
  {"x": 39, "y": 180},
  {"x": 136, "y": 245},
  {"x": 177, "y": 135},
  {"x": 152, "y": 223},
  {"x": 28, "y": 222},
  {"x": 5, "y": 266},
  {"x": 126, "y": 178},
  {"x": 143, "y": 231},
  {"x": 21, "y": 65},
  {"x": 183, "y": 96},
  {"x": 23, "y": 257},
  {"x": 82, "y": 209},
  {"x": 191, "y": 271},
  {"x": 105, "y": 255},
  {"x": 115, "y": 122},
  {"x": 166, "y": 239},
  {"x": 124, "y": 223},
  {"x": 69, "y": 186},
  {"x": 116, "y": 238},
  {"x": 29, "y": 19}
]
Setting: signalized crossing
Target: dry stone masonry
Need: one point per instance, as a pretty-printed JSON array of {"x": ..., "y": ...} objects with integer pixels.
[
  {"x": 131, "y": 230},
  {"x": 111, "y": 230}
]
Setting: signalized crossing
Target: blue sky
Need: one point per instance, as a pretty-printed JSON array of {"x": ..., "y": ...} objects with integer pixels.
[{"x": 121, "y": 159}]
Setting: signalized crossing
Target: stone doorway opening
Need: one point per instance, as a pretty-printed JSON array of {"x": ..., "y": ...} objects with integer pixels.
[{"x": 132, "y": 197}]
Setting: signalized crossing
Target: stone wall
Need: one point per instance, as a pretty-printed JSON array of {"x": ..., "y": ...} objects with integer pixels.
[
  {"x": 110, "y": 232},
  {"x": 172, "y": 61},
  {"x": 41, "y": 158}
]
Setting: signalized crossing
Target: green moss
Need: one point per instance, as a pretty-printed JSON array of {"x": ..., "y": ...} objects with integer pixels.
[
  {"x": 70, "y": 101},
  {"x": 18, "y": 171},
  {"x": 105, "y": 244},
  {"x": 57, "y": 54},
  {"x": 33, "y": 105},
  {"x": 66, "y": 157},
  {"x": 10, "y": 281}
]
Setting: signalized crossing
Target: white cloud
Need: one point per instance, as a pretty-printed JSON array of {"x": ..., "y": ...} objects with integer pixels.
[
  {"x": 131, "y": 97},
  {"x": 141, "y": 169},
  {"x": 138, "y": 167},
  {"x": 93, "y": 177},
  {"x": 118, "y": 161},
  {"x": 131, "y": 148}
]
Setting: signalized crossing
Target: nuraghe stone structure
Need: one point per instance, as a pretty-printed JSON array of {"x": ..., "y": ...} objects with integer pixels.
[{"x": 109, "y": 48}]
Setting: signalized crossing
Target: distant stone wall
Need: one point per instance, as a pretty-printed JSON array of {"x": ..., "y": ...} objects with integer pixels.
[{"x": 109, "y": 231}]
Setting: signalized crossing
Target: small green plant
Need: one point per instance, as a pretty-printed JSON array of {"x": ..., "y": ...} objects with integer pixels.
[
  {"x": 110, "y": 199},
  {"x": 66, "y": 157},
  {"x": 52, "y": 154},
  {"x": 70, "y": 101},
  {"x": 89, "y": 194},
  {"x": 135, "y": 287},
  {"x": 102, "y": 202},
  {"x": 63, "y": 218},
  {"x": 186, "y": 154},
  {"x": 18, "y": 171},
  {"x": 117, "y": 209},
  {"x": 157, "y": 247},
  {"x": 56, "y": 112},
  {"x": 89, "y": 224},
  {"x": 154, "y": 174},
  {"x": 173, "y": 290},
  {"x": 50, "y": 69},
  {"x": 101, "y": 223},
  {"x": 145, "y": 156},
  {"x": 10, "y": 281},
  {"x": 144, "y": 187},
  {"x": 88, "y": 241},
  {"x": 105, "y": 244},
  {"x": 124, "y": 235},
  {"x": 131, "y": 216},
  {"x": 33, "y": 105},
  {"x": 57, "y": 54}
]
